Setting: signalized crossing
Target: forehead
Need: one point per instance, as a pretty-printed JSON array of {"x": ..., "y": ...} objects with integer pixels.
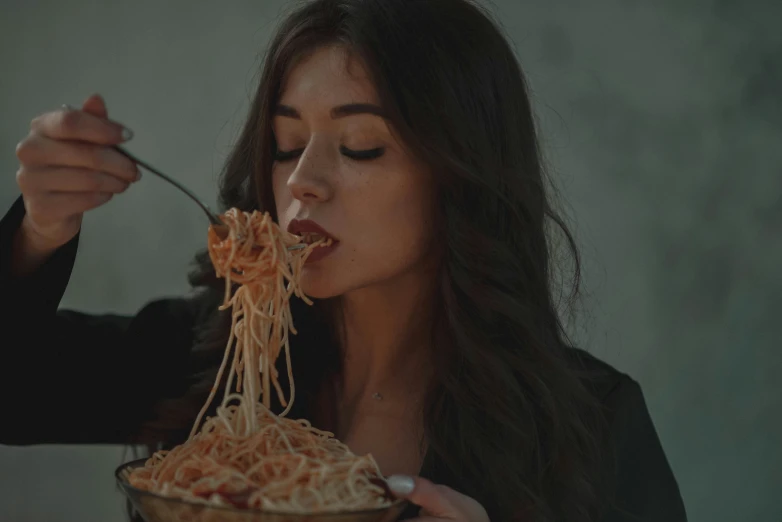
[{"x": 329, "y": 76}]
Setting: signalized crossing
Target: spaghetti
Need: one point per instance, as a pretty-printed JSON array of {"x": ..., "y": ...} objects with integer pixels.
[{"x": 246, "y": 456}]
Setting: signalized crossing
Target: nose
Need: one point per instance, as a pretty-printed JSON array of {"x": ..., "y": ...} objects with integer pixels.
[{"x": 310, "y": 180}]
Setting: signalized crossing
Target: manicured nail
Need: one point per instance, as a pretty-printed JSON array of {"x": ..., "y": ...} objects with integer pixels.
[
  {"x": 127, "y": 134},
  {"x": 401, "y": 484}
]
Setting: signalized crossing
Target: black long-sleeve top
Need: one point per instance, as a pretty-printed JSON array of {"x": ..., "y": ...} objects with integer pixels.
[{"x": 69, "y": 377}]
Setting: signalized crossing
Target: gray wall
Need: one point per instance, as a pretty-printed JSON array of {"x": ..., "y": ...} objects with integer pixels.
[{"x": 662, "y": 120}]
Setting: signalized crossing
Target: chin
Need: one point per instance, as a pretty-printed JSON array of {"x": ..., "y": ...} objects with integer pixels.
[{"x": 316, "y": 284}]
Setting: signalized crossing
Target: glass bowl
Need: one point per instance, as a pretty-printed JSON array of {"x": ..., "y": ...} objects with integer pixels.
[{"x": 157, "y": 508}]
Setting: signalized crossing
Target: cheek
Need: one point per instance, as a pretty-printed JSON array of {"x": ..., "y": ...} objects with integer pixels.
[
  {"x": 402, "y": 226},
  {"x": 414, "y": 229},
  {"x": 283, "y": 199}
]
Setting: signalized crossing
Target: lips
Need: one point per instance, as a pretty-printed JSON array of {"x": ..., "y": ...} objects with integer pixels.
[{"x": 311, "y": 232}]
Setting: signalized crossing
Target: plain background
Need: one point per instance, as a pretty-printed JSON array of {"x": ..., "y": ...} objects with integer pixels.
[{"x": 662, "y": 121}]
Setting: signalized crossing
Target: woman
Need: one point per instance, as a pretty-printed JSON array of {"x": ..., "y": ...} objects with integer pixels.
[{"x": 403, "y": 130}]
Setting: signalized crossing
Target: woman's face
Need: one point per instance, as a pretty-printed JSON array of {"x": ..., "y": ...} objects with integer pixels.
[{"x": 340, "y": 168}]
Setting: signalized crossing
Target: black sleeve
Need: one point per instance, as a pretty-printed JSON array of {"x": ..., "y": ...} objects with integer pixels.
[
  {"x": 646, "y": 489},
  {"x": 68, "y": 377}
]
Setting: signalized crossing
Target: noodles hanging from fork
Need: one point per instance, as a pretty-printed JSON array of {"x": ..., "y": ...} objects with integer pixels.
[{"x": 246, "y": 456}]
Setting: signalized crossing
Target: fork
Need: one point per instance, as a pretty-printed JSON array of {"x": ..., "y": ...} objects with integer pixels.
[{"x": 214, "y": 219}]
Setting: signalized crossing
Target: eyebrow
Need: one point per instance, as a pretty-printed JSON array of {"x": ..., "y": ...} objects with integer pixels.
[{"x": 341, "y": 111}]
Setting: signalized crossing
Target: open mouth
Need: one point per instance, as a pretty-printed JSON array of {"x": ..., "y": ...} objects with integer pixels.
[
  {"x": 310, "y": 238},
  {"x": 313, "y": 235}
]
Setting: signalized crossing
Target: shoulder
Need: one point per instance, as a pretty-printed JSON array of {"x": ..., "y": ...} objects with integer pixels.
[
  {"x": 620, "y": 398},
  {"x": 645, "y": 486},
  {"x": 609, "y": 385}
]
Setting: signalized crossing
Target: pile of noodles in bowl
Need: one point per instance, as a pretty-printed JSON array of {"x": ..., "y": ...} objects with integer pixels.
[{"x": 245, "y": 463}]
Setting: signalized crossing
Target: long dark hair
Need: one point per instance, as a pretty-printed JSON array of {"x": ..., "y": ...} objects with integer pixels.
[{"x": 508, "y": 413}]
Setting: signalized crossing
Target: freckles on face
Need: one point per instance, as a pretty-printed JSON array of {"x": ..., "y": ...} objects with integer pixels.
[{"x": 339, "y": 165}]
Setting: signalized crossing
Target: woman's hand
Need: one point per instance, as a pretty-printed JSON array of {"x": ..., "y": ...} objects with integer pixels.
[
  {"x": 438, "y": 503},
  {"x": 67, "y": 167}
]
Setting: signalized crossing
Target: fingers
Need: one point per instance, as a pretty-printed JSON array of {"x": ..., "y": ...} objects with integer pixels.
[
  {"x": 69, "y": 124},
  {"x": 68, "y": 179},
  {"x": 96, "y": 106},
  {"x": 54, "y": 207},
  {"x": 430, "y": 497},
  {"x": 437, "y": 502},
  {"x": 39, "y": 151},
  {"x": 68, "y": 165}
]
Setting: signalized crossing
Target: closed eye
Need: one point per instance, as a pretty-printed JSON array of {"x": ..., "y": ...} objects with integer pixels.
[
  {"x": 282, "y": 155},
  {"x": 362, "y": 155},
  {"x": 359, "y": 155}
]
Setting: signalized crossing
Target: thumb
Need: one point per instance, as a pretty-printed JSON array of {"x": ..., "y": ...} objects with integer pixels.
[
  {"x": 96, "y": 106},
  {"x": 434, "y": 500}
]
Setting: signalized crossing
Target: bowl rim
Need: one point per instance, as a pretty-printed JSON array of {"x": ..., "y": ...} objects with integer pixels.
[{"x": 137, "y": 463}]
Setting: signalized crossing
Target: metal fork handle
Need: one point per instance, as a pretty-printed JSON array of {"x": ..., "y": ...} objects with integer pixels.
[
  {"x": 211, "y": 215},
  {"x": 213, "y": 218}
]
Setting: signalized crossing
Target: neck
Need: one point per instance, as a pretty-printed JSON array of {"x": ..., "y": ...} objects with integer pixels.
[{"x": 387, "y": 338}]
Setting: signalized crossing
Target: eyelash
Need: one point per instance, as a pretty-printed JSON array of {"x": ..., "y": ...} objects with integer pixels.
[{"x": 358, "y": 155}]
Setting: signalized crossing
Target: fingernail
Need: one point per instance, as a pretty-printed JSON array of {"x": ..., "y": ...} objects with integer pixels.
[
  {"x": 138, "y": 174},
  {"x": 67, "y": 107},
  {"x": 401, "y": 484},
  {"x": 127, "y": 134}
]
